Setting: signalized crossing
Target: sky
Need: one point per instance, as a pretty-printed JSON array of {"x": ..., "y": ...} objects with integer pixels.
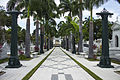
[{"x": 112, "y": 6}]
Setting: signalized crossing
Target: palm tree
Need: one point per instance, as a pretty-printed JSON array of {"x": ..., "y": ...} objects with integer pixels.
[
  {"x": 80, "y": 48},
  {"x": 74, "y": 28},
  {"x": 50, "y": 32},
  {"x": 89, "y": 5},
  {"x": 45, "y": 10},
  {"x": 66, "y": 6},
  {"x": 78, "y": 8},
  {"x": 65, "y": 28}
]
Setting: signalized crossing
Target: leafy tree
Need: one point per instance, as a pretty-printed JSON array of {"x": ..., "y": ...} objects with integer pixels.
[
  {"x": 97, "y": 29},
  {"x": 5, "y": 20},
  {"x": 66, "y": 6}
]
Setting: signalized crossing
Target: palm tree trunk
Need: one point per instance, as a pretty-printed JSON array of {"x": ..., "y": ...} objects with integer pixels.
[
  {"x": 64, "y": 43},
  {"x": 91, "y": 35},
  {"x": 69, "y": 41},
  {"x": 47, "y": 44},
  {"x": 41, "y": 39},
  {"x": 27, "y": 39},
  {"x": 37, "y": 34},
  {"x": 67, "y": 44},
  {"x": 50, "y": 43},
  {"x": 80, "y": 48},
  {"x": 73, "y": 43},
  {"x": 91, "y": 40}
]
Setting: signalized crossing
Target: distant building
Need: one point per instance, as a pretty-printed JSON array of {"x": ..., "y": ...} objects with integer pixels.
[
  {"x": 57, "y": 42},
  {"x": 115, "y": 47}
]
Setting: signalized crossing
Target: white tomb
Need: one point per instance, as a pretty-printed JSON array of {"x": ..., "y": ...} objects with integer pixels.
[
  {"x": 114, "y": 50},
  {"x": 3, "y": 51}
]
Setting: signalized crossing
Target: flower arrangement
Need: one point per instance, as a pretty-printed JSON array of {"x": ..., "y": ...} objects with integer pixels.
[
  {"x": 36, "y": 49},
  {"x": 21, "y": 52}
]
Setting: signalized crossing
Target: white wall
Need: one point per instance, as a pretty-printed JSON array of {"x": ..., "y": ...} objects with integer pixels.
[{"x": 113, "y": 37}]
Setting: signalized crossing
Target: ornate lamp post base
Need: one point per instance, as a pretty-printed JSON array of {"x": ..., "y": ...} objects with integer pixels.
[
  {"x": 13, "y": 63},
  {"x": 105, "y": 63}
]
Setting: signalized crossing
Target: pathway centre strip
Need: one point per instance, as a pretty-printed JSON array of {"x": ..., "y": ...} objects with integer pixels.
[
  {"x": 35, "y": 68},
  {"x": 85, "y": 68}
]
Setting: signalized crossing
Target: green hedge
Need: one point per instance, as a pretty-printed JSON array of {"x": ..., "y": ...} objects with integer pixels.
[
  {"x": 36, "y": 67},
  {"x": 85, "y": 68},
  {"x": 3, "y": 60}
]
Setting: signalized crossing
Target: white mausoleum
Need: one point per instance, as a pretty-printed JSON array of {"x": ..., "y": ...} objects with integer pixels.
[
  {"x": 115, "y": 47},
  {"x": 116, "y": 35}
]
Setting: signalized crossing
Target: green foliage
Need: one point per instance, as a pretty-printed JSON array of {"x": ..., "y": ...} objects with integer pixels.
[
  {"x": 50, "y": 29},
  {"x": 5, "y": 20},
  {"x": 23, "y": 57},
  {"x": 92, "y": 59},
  {"x": 115, "y": 61},
  {"x": 21, "y": 34},
  {"x": 97, "y": 29},
  {"x": 3, "y": 60},
  {"x": 66, "y": 6}
]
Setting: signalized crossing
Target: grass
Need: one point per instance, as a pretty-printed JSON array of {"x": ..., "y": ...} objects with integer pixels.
[
  {"x": 85, "y": 68},
  {"x": 23, "y": 57},
  {"x": 36, "y": 67},
  {"x": 92, "y": 59},
  {"x": 112, "y": 60},
  {"x": 115, "y": 61},
  {"x": 3, "y": 60},
  {"x": 118, "y": 72}
]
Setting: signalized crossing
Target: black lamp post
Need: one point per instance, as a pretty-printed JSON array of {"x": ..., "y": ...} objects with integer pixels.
[
  {"x": 14, "y": 60},
  {"x": 105, "y": 61}
]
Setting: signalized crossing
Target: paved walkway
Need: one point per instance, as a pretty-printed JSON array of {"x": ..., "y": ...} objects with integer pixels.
[
  {"x": 59, "y": 66},
  {"x": 104, "y": 73},
  {"x": 19, "y": 73}
]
